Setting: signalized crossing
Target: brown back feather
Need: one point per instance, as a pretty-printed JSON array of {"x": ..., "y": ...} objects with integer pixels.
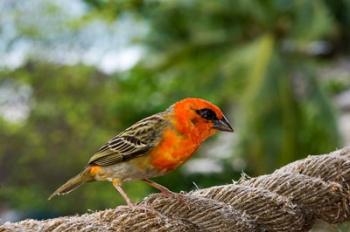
[{"x": 135, "y": 141}]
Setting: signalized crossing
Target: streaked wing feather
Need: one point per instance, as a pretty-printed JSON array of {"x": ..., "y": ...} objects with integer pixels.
[
  {"x": 119, "y": 149},
  {"x": 135, "y": 141}
]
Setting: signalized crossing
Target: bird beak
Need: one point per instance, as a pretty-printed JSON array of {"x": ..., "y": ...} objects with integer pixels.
[{"x": 223, "y": 125}]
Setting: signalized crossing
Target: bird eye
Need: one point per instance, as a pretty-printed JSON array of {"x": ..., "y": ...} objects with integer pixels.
[{"x": 207, "y": 114}]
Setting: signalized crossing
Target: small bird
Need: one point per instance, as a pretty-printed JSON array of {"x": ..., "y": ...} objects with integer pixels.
[{"x": 152, "y": 147}]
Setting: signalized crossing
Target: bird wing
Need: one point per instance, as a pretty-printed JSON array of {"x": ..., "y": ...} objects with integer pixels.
[{"x": 135, "y": 141}]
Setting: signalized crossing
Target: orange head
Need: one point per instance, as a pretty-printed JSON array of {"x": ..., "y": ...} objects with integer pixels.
[
  {"x": 192, "y": 120},
  {"x": 199, "y": 119}
]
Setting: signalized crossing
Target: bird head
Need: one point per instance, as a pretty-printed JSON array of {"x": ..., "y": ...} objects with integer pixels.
[{"x": 199, "y": 117}]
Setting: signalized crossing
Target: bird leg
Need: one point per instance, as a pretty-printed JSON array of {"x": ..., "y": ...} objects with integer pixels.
[
  {"x": 164, "y": 190},
  {"x": 117, "y": 185}
]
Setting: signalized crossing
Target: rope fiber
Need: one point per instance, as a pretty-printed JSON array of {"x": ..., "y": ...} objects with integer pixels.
[{"x": 290, "y": 199}]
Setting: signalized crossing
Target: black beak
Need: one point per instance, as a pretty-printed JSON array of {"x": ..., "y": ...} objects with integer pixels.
[{"x": 223, "y": 125}]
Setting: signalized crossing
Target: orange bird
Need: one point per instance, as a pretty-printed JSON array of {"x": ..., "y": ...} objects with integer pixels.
[{"x": 152, "y": 147}]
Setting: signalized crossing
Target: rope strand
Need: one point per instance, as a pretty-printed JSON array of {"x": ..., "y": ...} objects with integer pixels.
[{"x": 290, "y": 199}]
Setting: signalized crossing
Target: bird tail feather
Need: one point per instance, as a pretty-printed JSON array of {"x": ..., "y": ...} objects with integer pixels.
[{"x": 73, "y": 183}]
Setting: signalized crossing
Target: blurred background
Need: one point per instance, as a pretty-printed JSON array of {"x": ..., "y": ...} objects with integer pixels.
[{"x": 74, "y": 73}]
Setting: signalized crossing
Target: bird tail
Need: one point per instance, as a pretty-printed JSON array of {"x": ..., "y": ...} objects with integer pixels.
[{"x": 73, "y": 183}]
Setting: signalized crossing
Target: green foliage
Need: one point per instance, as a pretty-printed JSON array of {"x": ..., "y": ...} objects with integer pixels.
[
  {"x": 61, "y": 129},
  {"x": 285, "y": 114}
]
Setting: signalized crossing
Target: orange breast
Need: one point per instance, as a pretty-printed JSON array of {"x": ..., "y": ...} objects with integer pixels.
[{"x": 173, "y": 150}]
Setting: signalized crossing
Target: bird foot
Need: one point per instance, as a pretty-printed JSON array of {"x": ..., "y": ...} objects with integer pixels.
[
  {"x": 166, "y": 192},
  {"x": 177, "y": 196}
]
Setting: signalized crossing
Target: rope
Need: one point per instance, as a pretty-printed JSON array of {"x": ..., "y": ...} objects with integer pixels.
[{"x": 290, "y": 199}]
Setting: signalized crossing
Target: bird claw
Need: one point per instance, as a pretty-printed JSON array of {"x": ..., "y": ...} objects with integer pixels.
[
  {"x": 167, "y": 193},
  {"x": 177, "y": 196}
]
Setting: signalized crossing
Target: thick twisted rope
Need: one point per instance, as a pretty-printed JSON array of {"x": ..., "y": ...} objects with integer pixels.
[{"x": 289, "y": 199}]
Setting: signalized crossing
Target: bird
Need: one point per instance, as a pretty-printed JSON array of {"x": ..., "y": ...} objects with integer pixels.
[{"x": 152, "y": 147}]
